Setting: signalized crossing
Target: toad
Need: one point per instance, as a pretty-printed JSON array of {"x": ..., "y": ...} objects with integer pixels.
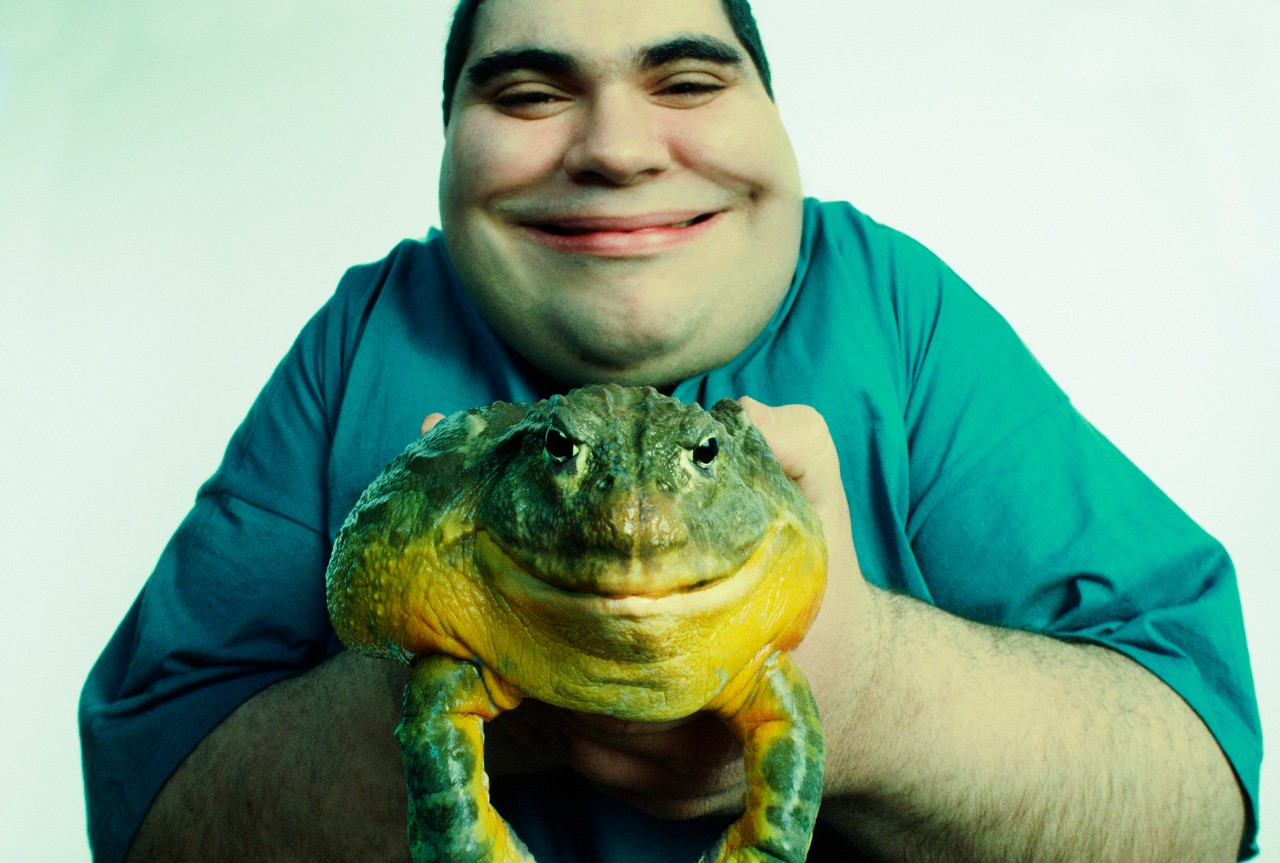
[{"x": 611, "y": 551}]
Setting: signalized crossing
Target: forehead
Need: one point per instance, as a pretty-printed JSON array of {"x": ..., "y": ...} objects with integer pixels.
[{"x": 601, "y": 28}]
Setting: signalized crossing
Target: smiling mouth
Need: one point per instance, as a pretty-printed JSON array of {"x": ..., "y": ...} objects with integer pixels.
[
  {"x": 623, "y": 578},
  {"x": 571, "y": 229},
  {"x": 615, "y": 584}
]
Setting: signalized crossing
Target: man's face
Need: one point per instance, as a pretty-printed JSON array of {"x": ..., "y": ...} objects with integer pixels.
[{"x": 617, "y": 191}]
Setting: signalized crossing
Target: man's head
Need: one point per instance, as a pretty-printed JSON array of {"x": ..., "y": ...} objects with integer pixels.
[
  {"x": 463, "y": 28},
  {"x": 617, "y": 193}
]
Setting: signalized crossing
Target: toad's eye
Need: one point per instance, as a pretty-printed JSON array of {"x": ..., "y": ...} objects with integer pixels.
[
  {"x": 559, "y": 446},
  {"x": 705, "y": 453}
]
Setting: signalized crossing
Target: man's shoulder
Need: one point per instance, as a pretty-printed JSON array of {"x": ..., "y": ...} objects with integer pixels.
[
  {"x": 409, "y": 261},
  {"x": 843, "y": 249},
  {"x": 840, "y": 226},
  {"x": 413, "y": 267}
]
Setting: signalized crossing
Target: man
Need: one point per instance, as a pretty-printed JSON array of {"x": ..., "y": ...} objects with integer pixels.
[{"x": 620, "y": 202}]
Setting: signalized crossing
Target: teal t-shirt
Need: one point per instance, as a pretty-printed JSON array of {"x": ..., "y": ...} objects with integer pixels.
[{"x": 972, "y": 482}]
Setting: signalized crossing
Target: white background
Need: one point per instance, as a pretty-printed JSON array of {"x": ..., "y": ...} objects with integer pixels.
[{"x": 181, "y": 185}]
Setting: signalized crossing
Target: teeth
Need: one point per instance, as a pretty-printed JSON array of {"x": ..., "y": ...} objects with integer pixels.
[
  {"x": 695, "y": 220},
  {"x": 573, "y": 232}
]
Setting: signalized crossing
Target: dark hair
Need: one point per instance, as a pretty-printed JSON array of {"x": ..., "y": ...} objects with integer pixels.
[{"x": 462, "y": 31}]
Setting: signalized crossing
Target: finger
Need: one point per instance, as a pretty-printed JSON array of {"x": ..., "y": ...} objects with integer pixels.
[
  {"x": 692, "y": 765},
  {"x": 802, "y": 444},
  {"x": 697, "y": 744},
  {"x": 651, "y": 786},
  {"x": 430, "y": 422},
  {"x": 619, "y": 768},
  {"x": 675, "y": 808}
]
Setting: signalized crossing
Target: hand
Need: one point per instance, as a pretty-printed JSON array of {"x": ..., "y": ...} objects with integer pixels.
[
  {"x": 839, "y": 654},
  {"x": 802, "y": 444},
  {"x": 686, "y": 768}
]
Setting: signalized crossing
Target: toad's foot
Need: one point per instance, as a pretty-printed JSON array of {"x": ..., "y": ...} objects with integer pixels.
[
  {"x": 441, "y": 735},
  {"x": 785, "y": 758}
]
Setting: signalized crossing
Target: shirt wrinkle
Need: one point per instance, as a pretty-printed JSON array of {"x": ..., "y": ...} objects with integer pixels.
[
  {"x": 222, "y": 495},
  {"x": 921, "y": 514}
]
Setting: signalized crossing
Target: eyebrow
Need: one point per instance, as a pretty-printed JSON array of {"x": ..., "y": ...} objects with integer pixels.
[
  {"x": 492, "y": 66},
  {"x": 559, "y": 64},
  {"x": 701, "y": 47}
]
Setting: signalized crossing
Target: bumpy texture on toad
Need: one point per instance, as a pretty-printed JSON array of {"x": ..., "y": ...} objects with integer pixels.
[{"x": 611, "y": 551}]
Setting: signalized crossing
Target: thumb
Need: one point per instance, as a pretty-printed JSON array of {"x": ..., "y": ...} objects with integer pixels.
[
  {"x": 802, "y": 444},
  {"x": 430, "y": 422}
]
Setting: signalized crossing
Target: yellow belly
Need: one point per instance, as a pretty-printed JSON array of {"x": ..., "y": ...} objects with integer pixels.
[{"x": 649, "y": 658}]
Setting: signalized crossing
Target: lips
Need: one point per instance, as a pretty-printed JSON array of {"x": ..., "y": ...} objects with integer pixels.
[
  {"x": 620, "y": 235},
  {"x": 618, "y": 224}
]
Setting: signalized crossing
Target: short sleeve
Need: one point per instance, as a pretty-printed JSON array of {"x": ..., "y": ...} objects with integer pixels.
[
  {"x": 1025, "y": 516},
  {"x": 236, "y": 601}
]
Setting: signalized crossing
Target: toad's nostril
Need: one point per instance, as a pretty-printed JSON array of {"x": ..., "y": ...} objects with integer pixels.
[{"x": 639, "y": 524}]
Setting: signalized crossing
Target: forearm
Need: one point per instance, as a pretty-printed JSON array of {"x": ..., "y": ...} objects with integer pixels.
[
  {"x": 307, "y": 769},
  {"x": 976, "y": 744}
]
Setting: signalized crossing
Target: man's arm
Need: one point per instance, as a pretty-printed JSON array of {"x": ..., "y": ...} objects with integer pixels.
[
  {"x": 307, "y": 769},
  {"x": 959, "y": 741},
  {"x": 974, "y": 743}
]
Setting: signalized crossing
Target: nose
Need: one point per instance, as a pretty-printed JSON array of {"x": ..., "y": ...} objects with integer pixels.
[
  {"x": 638, "y": 522},
  {"x": 619, "y": 142}
]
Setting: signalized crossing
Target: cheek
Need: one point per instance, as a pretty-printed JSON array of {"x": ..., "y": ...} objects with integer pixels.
[
  {"x": 752, "y": 153},
  {"x": 486, "y": 160}
]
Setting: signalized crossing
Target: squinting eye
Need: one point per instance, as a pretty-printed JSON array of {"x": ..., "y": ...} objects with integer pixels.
[
  {"x": 705, "y": 453},
  {"x": 529, "y": 103},
  {"x": 559, "y": 446},
  {"x": 525, "y": 97},
  {"x": 683, "y": 88},
  {"x": 688, "y": 91}
]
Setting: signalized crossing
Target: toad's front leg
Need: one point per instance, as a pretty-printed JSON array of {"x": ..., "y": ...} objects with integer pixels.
[
  {"x": 784, "y": 757},
  {"x": 442, "y": 740}
]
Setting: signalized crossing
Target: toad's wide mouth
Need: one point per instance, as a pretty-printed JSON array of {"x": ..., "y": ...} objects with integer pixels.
[{"x": 622, "y": 586}]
